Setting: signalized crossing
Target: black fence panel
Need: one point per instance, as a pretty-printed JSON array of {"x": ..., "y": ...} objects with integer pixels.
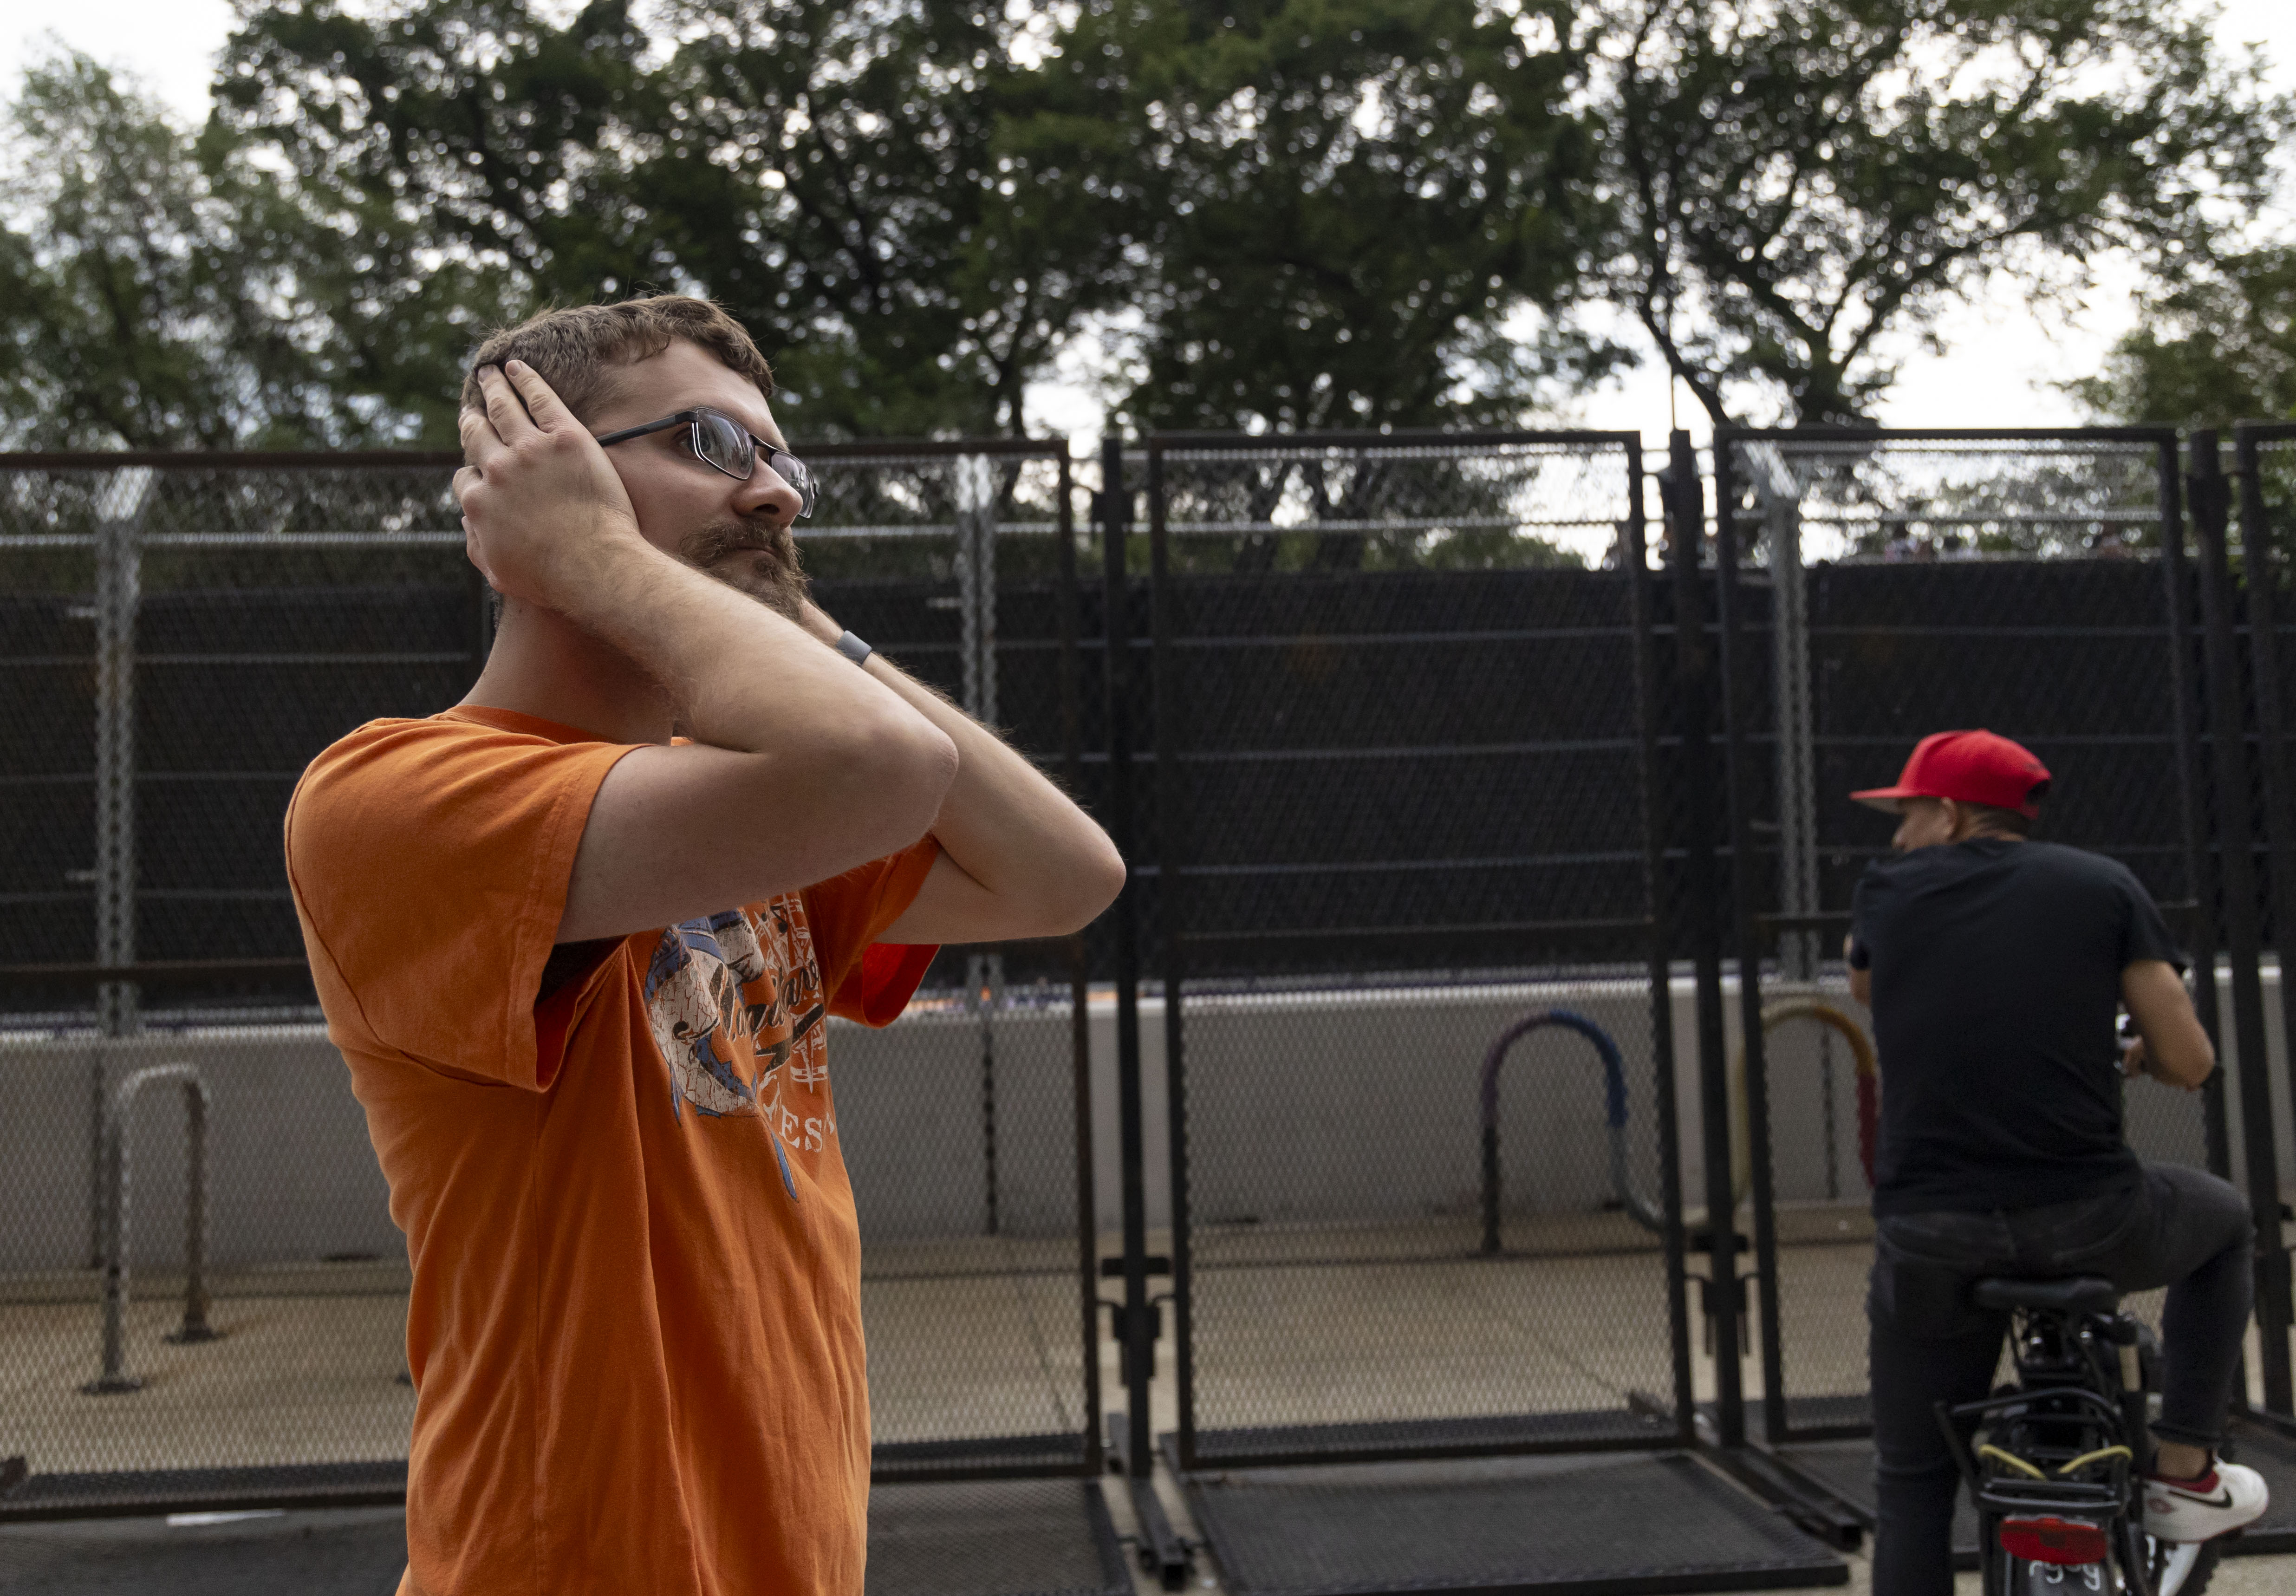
[
  {"x": 2263, "y": 502},
  {"x": 179, "y": 639},
  {"x": 1876, "y": 588},
  {"x": 179, "y": 636},
  {"x": 1418, "y": 1046}
]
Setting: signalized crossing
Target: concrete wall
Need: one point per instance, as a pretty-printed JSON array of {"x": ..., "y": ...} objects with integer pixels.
[
  {"x": 293, "y": 1175},
  {"x": 1359, "y": 1106}
]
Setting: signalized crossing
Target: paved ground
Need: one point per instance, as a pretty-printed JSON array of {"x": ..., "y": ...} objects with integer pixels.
[
  {"x": 981, "y": 1339},
  {"x": 978, "y": 1338},
  {"x": 359, "y": 1553}
]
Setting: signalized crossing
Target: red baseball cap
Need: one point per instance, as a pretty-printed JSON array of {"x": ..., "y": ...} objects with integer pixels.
[{"x": 1968, "y": 767}]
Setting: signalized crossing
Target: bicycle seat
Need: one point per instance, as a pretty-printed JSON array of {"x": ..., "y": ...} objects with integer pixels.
[{"x": 2083, "y": 1293}]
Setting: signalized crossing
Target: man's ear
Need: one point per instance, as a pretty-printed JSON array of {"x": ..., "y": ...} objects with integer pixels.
[{"x": 1957, "y": 817}]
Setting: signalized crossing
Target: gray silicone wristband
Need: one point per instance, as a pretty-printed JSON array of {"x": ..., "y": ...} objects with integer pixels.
[{"x": 853, "y": 648}]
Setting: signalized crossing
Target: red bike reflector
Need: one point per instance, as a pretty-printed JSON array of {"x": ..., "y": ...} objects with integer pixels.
[{"x": 2068, "y": 1542}]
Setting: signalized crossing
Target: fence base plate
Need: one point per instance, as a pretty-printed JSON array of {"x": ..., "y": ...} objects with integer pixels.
[
  {"x": 1628, "y": 1525},
  {"x": 1018, "y": 1537}
]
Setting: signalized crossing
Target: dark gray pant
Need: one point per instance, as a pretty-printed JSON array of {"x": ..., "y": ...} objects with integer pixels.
[{"x": 2178, "y": 1228}]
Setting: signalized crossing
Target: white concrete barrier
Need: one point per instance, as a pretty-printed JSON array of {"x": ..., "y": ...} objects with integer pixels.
[{"x": 1305, "y": 1106}]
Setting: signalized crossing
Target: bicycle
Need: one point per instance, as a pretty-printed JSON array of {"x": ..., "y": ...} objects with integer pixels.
[{"x": 2053, "y": 1460}]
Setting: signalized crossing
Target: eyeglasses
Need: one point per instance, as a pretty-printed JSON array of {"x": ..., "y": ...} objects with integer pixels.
[{"x": 719, "y": 442}]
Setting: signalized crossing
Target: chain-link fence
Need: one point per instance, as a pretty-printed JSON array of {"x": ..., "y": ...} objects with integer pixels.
[
  {"x": 1419, "y": 1058},
  {"x": 2262, "y": 502},
  {"x": 1883, "y": 586},
  {"x": 179, "y": 637},
  {"x": 1416, "y": 830},
  {"x": 965, "y": 1125}
]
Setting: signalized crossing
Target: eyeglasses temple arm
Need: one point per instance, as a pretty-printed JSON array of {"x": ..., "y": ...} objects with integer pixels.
[{"x": 663, "y": 426}]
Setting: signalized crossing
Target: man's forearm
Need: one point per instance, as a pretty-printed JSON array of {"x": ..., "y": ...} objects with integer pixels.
[
  {"x": 1001, "y": 821},
  {"x": 743, "y": 678}
]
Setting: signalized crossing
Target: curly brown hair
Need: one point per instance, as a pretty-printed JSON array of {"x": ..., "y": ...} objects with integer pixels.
[{"x": 578, "y": 348}]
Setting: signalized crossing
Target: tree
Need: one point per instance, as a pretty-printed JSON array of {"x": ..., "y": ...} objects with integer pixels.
[
  {"x": 1797, "y": 181},
  {"x": 145, "y": 301},
  {"x": 1336, "y": 205},
  {"x": 1324, "y": 210},
  {"x": 2217, "y": 347},
  {"x": 830, "y": 171}
]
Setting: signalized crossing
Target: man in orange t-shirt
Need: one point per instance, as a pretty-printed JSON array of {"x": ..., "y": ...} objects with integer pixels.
[{"x": 581, "y": 970}]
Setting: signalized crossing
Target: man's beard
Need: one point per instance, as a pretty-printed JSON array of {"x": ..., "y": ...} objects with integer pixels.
[{"x": 756, "y": 557}]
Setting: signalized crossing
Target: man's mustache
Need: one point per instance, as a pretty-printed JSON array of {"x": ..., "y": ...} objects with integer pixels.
[
  {"x": 777, "y": 581},
  {"x": 720, "y": 539}
]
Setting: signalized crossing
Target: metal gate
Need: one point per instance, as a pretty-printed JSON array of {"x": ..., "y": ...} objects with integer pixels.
[
  {"x": 967, "y": 1125},
  {"x": 1416, "y": 1022},
  {"x": 179, "y": 636},
  {"x": 2264, "y": 501},
  {"x": 1876, "y": 586}
]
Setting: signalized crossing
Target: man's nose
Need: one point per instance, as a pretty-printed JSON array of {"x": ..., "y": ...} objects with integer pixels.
[{"x": 767, "y": 494}]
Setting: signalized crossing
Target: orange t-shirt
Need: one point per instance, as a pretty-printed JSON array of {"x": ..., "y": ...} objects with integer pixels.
[{"x": 635, "y": 1322}]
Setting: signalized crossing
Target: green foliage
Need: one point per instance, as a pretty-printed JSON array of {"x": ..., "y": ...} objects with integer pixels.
[
  {"x": 1321, "y": 209},
  {"x": 828, "y": 171},
  {"x": 1800, "y": 179},
  {"x": 148, "y": 303},
  {"x": 1283, "y": 214},
  {"x": 1335, "y": 204},
  {"x": 2216, "y": 348}
]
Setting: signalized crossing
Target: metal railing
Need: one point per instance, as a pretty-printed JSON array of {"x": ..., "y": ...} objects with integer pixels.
[{"x": 115, "y": 1379}]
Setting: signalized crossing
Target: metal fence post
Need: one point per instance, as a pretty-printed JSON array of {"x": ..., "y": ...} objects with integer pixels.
[
  {"x": 2211, "y": 498},
  {"x": 1745, "y": 941},
  {"x": 2184, "y": 701},
  {"x": 1087, "y": 1201},
  {"x": 2262, "y": 564},
  {"x": 118, "y": 597},
  {"x": 1779, "y": 496},
  {"x": 1663, "y": 903},
  {"x": 1686, "y": 525},
  {"x": 115, "y": 1378},
  {"x": 1135, "y": 1324},
  {"x": 976, "y": 589},
  {"x": 119, "y": 591}
]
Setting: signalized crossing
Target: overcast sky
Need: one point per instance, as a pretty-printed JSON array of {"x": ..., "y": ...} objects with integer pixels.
[{"x": 2001, "y": 362}]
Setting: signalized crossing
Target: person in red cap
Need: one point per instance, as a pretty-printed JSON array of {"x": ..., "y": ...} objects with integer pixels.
[{"x": 1994, "y": 966}]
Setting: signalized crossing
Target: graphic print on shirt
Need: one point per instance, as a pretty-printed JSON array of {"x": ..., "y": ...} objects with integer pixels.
[{"x": 732, "y": 998}]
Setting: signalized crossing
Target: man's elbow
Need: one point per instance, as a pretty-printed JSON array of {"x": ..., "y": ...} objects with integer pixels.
[
  {"x": 905, "y": 764},
  {"x": 1098, "y": 876},
  {"x": 1074, "y": 883},
  {"x": 2194, "y": 1063}
]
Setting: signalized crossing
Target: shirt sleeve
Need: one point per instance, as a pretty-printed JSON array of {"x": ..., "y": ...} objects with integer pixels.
[
  {"x": 2145, "y": 931},
  {"x": 430, "y": 862},
  {"x": 866, "y": 980}
]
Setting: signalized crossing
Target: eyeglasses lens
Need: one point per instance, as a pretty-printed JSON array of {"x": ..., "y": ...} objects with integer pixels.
[
  {"x": 798, "y": 475},
  {"x": 724, "y": 443}
]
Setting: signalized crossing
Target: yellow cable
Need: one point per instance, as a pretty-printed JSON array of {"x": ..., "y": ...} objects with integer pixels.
[
  {"x": 2098, "y": 1456},
  {"x": 2012, "y": 1459}
]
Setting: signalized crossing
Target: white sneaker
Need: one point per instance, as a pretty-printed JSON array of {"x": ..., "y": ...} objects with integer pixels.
[{"x": 2218, "y": 1502}]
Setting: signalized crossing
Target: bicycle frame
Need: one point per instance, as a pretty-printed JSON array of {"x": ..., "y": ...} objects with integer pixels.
[{"x": 2062, "y": 1444}]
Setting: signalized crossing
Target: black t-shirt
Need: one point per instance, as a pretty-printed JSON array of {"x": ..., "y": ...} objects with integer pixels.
[{"x": 1997, "y": 974}]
